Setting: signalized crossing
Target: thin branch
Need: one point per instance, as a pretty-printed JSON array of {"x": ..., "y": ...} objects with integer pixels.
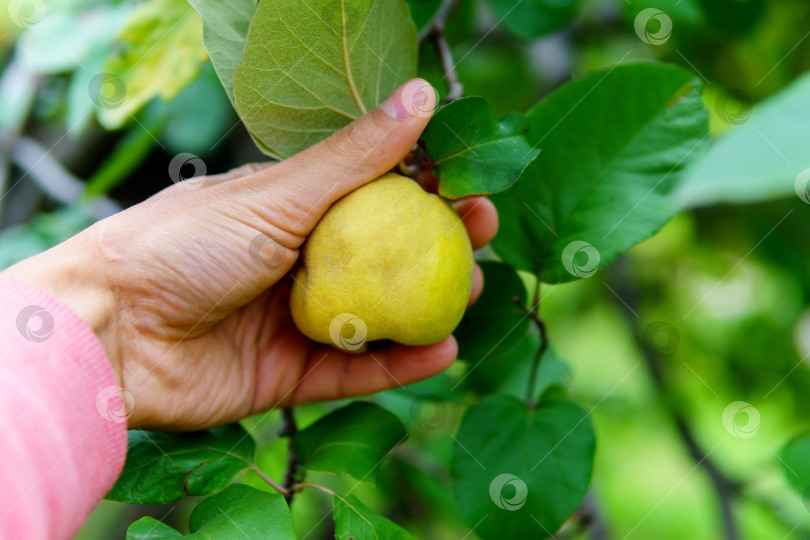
[
  {"x": 534, "y": 314},
  {"x": 289, "y": 429},
  {"x": 454, "y": 88},
  {"x": 439, "y": 19},
  {"x": 435, "y": 30},
  {"x": 726, "y": 489},
  {"x": 275, "y": 485}
]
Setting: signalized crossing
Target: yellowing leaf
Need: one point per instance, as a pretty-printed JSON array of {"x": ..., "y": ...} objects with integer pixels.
[{"x": 158, "y": 53}]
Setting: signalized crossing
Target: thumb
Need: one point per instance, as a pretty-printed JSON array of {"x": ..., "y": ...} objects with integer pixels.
[{"x": 303, "y": 187}]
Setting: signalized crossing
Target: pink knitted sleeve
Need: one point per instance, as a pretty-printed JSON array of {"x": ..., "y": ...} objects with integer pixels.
[{"x": 62, "y": 422}]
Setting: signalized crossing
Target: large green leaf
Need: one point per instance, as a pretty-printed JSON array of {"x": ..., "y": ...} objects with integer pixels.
[
  {"x": 473, "y": 155},
  {"x": 225, "y": 28},
  {"x": 795, "y": 461},
  {"x": 310, "y": 68},
  {"x": 520, "y": 473},
  {"x": 758, "y": 160},
  {"x": 497, "y": 321},
  {"x": 165, "y": 467},
  {"x": 355, "y": 521},
  {"x": 352, "y": 440},
  {"x": 613, "y": 145},
  {"x": 530, "y": 19},
  {"x": 240, "y": 511}
]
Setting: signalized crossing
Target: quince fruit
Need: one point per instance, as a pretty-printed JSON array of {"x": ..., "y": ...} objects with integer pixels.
[{"x": 387, "y": 261}]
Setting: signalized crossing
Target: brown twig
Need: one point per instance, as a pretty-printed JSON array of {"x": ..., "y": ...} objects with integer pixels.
[
  {"x": 533, "y": 313},
  {"x": 435, "y": 31},
  {"x": 289, "y": 429}
]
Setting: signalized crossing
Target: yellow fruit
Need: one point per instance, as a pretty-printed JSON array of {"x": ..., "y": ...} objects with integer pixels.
[{"x": 387, "y": 261}]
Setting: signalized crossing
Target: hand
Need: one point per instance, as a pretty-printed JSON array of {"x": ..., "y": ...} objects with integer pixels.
[{"x": 196, "y": 322}]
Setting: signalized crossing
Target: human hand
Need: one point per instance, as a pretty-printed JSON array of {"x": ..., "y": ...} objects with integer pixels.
[{"x": 189, "y": 293}]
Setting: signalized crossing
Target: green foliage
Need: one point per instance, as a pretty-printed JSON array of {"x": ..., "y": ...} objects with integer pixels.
[
  {"x": 165, "y": 467},
  {"x": 225, "y": 28},
  {"x": 795, "y": 461},
  {"x": 352, "y": 440},
  {"x": 237, "y": 512},
  {"x": 760, "y": 159},
  {"x": 473, "y": 155},
  {"x": 498, "y": 321},
  {"x": 520, "y": 472},
  {"x": 595, "y": 190},
  {"x": 306, "y": 73},
  {"x": 533, "y": 18},
  {"x": 159, "y": 52},
  {"x": 355, "y": 521}
]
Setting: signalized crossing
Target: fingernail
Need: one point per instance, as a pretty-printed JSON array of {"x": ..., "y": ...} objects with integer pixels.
[{"x": 415, "y": 98}]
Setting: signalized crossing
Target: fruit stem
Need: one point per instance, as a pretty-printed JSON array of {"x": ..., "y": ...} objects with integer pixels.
[{"x": 534, "y": 314}]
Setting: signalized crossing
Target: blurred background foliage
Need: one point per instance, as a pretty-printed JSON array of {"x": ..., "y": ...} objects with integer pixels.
[{"x": 732, "y": 280}]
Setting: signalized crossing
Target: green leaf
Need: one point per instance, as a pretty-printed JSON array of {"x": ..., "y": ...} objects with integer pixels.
[
  {"x": 497, "y": 321},
  {"x": 148, "y": 528},
  {"x": 62, "y": 41},
  {"x": 240, "y": 511},
  {"x": 593, "y": 193},
  {"x": 352, "y": 440},
  {"x": 310, "y": 69},
  {"x": 225, "y": 28},
  {"x": 519, "y": 473},
  {"x": 531, "y": 19},
  {"x": 758, "y": 160},
  {"x": 355, "y": 521},
  {"x": 471, "y": 153},
  {"x": 164, "y": 467},
  {"x": 159, "y": 52},
  {"x": 795, "y": 461}
]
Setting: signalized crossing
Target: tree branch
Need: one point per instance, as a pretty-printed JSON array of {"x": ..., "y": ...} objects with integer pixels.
[
  {"x": 289, "y": 429},
  {"x": 726, "y": 489},
  {"x": 534, "y": 314},
  {"x": 435, "y": 30}
]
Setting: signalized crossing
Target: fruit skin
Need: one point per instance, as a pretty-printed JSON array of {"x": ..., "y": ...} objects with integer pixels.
[{"x": 391, "y": 255}]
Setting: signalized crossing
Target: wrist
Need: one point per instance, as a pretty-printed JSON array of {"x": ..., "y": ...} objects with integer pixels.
[{"x": 67, "y": 273}]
